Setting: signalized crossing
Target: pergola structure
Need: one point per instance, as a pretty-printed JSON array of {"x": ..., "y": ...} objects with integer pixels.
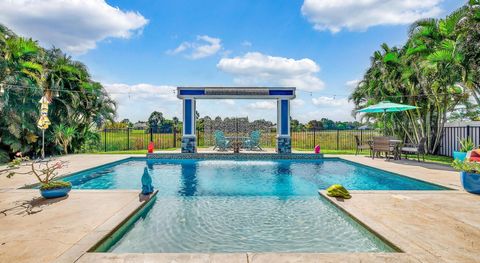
[{"x": 283, "y": 95}]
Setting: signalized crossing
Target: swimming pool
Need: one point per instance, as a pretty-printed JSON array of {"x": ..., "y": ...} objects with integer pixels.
[
  {"x": 244, "y": 205},
  {"x": 243, "y": 178}
]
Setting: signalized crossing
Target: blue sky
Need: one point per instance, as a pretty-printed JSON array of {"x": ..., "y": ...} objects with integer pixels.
[{"x": 140, "y": 50}]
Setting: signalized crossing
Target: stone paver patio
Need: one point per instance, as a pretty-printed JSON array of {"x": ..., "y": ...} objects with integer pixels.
[{"x": 428, "y": 226}]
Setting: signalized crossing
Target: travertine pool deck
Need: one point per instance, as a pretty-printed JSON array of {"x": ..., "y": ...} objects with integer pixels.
[
  {"x": 428, "y": 226},
  {"x": 33, "y": 229}
]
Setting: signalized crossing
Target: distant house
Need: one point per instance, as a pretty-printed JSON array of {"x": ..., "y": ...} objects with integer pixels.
[
  {"x": 140, "y": 125},
  {"x": 365, "y": 127}
]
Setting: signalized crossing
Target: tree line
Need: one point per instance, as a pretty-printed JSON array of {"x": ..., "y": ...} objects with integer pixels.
[
  {"x": 160, "y": 124},
  {"x": 437, "y": 70}
]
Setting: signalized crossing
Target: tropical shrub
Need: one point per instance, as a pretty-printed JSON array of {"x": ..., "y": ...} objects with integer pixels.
[
  {"x": 28, "y": 72},
  {"x": 436, "y": 70},
  {"x": 466, "y": 144},
  {"x": 466, "y": 166},
  {"x": 63, "y": 136}
]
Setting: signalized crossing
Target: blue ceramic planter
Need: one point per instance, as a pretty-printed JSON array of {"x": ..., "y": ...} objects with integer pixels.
[
  {"x": 55, "y": 193},
  {"x": 459, "y": 156},
  {"x": 470, "y": 182}
]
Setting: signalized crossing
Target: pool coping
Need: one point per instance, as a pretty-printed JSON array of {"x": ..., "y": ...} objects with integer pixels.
[
  {"x": 103, "y": 231},
  {"x": 323, "y": 194}
]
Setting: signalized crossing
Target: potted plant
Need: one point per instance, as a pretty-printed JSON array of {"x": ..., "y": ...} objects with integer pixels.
[
  {"x": 469, "y": 175},
  {"x": 46, "y": 171},
  {"x": 465, "y": 146}
]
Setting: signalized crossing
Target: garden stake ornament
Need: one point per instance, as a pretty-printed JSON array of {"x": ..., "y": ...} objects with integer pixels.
[{"x": 43, "y": 122}]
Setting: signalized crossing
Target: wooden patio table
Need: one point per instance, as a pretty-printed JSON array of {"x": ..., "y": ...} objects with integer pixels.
[{"x": 395, "y": 143}]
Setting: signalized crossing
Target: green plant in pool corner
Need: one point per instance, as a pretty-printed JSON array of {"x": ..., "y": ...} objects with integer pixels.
[
  {"x": 466, "y": 144},
  {"x": 337, "y": 190},
  {"x": 466, "y": 166}
]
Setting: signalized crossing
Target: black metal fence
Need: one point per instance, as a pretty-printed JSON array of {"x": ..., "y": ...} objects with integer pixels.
[
  {"x": 452, "y": 135},
  {"x": 133, "y": 139}
]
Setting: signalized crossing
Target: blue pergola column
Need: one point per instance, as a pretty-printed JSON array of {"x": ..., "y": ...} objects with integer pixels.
[
  {"x": 283, "y": 126},
  {"x": 189, "y": 139}
]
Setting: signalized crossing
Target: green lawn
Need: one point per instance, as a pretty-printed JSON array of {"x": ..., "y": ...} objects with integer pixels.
[
  {"x": 120, "y": 140},
  {"x": 428, "y": 158}
]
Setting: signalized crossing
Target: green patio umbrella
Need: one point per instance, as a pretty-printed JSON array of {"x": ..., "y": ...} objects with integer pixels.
[{"x": 384, "y": 107}]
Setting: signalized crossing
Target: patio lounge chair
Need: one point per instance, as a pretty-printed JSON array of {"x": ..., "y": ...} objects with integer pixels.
[
  {"x": 221, "y": 142},
  {"x": 415, "y": 149},
  {"x": 254, "y": 141},
  {"x": 360, "y": 147},
  {"x": 382, "y": 145}
]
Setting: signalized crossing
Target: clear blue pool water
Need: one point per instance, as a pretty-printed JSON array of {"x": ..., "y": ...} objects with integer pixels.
[
  {"x": 244, "y": 178},
  {"x": 244, "y": 206}
]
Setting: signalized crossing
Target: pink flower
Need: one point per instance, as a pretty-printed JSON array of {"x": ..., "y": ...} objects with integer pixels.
[{"x": 57, "y": 165}]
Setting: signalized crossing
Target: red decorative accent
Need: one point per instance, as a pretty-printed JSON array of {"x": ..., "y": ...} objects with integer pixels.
[
  {"x": 317, "y": 149},
  {"x": 475, "y": 156},
  {"x": 150, "y": 147}
]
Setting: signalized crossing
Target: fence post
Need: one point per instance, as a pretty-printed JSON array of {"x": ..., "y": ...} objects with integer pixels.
[
  {"x": 151, "y": 134},
  {"x": 361, "y": 136},
  {"x": 468, "y": 131},
  {"x": 105, "y": 138},
  {"x": 338, "y": 138},
  {"x": 314, "y": 142},
  {"x": 198, "y": 136},
  {"x": 174, "y": 137},
  {"x": 128, "y": 138}
]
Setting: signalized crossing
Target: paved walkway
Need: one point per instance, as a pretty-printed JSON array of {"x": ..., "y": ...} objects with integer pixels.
[
  {"x": 33, "y": 229},
  {"x": 429, "y": 226}
]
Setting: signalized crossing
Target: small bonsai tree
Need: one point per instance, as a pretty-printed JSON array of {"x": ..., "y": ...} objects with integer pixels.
[{"x": 46, "y": 171}]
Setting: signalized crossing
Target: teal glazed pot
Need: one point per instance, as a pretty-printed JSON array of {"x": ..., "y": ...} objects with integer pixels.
[
  {"x": 55, "y": 193},
  {"x": 459, "y": 156},
  {"x": 470, "y": 182}
]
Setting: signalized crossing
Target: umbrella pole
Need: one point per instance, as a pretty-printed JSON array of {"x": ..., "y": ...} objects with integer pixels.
[
  {"x": 43, "y": 144},
  {"x": 385, "y": 122}
]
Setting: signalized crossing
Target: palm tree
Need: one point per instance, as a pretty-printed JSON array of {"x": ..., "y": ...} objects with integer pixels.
[
  {"x": 425, "y": 72},
  {"x": 27, "y": 72}
]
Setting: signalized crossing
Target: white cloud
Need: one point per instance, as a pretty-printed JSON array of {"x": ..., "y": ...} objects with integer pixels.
[
  {"x": 330, "y": 107},
  {"x": 298, "y": 102},
  {"x": 329, "y": 101},
  {"x": 246, "y": 43},
  {"x": 136, "y": 102},
  {"x": 73, "y": 25},
  {"x": 352, "y": 84},
  {"x": 229, "y": 102},
  {"x": 336, "y": 15},
  {"x": 255, "y": 68},
  {"x": 205, "y": 46},
  {"x": 262, "y": 105}
]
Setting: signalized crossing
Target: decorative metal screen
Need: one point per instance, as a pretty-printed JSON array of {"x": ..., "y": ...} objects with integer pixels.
[
  {"x": 239, "y": 127},
  {"x": 236, "y": 92}
]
